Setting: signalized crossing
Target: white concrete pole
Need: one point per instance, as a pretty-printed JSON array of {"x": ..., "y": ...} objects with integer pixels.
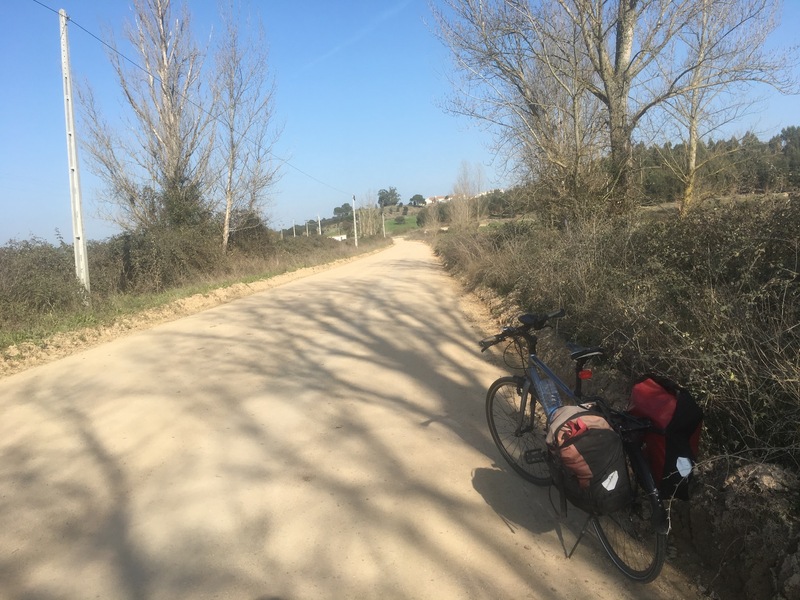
[
  {"x": 79, "y": 241},
  {"x": 355, "y": 225}
]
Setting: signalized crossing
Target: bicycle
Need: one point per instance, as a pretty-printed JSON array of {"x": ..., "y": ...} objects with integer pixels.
[{"x": 634, "y": 537}]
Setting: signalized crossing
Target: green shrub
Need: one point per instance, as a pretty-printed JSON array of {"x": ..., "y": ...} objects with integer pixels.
[
  {"x": 160, "y": 258},
  {"x": 37, "y": 278}
]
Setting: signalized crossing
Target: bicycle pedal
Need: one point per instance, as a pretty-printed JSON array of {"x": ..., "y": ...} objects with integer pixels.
[{"x": 533, "y": 456}]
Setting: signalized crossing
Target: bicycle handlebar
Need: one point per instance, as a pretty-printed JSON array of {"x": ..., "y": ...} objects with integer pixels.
[{"x": 529, "y": 321}]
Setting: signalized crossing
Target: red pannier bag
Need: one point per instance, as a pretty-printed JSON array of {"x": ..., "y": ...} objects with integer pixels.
[{"x": 672, "y": 443}]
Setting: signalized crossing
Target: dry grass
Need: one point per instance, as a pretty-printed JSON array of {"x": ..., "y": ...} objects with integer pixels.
[{"x": 712, "y": 301}]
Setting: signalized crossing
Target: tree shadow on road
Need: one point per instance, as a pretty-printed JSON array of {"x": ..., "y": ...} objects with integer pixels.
[{"x": 295, "y": 443}]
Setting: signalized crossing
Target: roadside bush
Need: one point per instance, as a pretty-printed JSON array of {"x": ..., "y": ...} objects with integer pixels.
[
  {"x": 37, "y": 278},
  {"x": 435, "y": 215},
  {"x": 256, "y": 240},
  {"x": 711, "y": 300},
  {"x": 160, "y": 258},
  {"x": 723, "y": 308}
]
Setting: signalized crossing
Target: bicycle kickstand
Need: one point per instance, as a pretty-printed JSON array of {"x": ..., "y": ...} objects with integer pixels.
[{"x": 580, "y": 536}]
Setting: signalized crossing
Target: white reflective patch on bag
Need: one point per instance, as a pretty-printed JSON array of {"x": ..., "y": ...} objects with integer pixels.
[
  {"x": 610, "y": 482},
  {"x": 684, "y": 466}
]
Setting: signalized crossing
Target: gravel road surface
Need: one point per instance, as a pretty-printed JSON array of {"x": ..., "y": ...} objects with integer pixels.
[{"x": 322, "y": 439}]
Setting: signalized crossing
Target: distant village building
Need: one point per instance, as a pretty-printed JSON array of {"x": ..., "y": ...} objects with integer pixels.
[{"x": 437, "y": 199}]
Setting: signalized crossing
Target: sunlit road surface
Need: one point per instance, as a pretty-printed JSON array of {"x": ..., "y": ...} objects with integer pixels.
[{"x": 323, "y": 439}]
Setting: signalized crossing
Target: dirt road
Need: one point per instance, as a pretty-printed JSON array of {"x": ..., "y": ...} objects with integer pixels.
[{"x": 323, "y": 439}]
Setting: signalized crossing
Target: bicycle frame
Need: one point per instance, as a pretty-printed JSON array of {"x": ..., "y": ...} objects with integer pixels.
[{"x": 535, "y": 363}]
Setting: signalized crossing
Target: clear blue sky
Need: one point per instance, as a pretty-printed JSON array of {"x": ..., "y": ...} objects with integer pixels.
[{"x": 359, "y": 89}]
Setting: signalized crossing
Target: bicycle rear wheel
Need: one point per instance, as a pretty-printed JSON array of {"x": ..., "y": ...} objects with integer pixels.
[
  {"x": 521, "y": 441},
  {"x": 630, "y": 537}
]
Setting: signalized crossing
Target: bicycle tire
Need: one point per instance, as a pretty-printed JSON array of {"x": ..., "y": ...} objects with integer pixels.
[
  {"x": 630, "y": 538},
  {"x": 526, "y": 451}
]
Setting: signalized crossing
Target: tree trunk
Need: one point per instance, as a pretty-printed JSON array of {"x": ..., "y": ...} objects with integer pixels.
[
  {"x": 621, "y": 153},
  {"x": 691, "y": 169}
]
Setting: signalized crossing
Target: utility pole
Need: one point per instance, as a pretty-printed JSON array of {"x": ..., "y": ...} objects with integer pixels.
[
  {"x": 355, "y": 225},
  {"x": 319, "y": 226},
  {"x": 79, "y": 241}
]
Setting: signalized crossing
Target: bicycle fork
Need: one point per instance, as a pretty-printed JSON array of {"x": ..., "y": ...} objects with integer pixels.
[
  {"x": 523, "y": 387},
  {"x": 535, "y": 455}
]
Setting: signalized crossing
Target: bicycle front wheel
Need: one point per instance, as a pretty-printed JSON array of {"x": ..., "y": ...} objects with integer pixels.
[
  {"x": 630, "y": 538},
  {"x": 519, "y": 436}
]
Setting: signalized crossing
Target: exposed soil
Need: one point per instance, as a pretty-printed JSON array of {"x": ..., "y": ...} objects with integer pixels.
[{"x": 742, "y": 523}]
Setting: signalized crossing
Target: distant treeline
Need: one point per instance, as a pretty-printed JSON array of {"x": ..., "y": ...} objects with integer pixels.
[{"x": 735, "y": 166}]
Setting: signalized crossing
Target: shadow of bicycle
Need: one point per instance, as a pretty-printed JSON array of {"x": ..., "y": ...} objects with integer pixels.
[{"x": 522, "y": 505}]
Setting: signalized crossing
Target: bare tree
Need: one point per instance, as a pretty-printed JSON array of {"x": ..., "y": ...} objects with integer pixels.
[
  {"x": 628, "y": 83},
  {"x": 469, "y": 181},
  {"x": 517, "y": 74},
  {"x": 465, "y": 206},
  {"x": 725, "y": 52},
  {"x": 157, "y": 175},
  {"x": 244, "y": 106},
  {"x": 534, "y": 64},
  {"x": 370, "y": 215}
]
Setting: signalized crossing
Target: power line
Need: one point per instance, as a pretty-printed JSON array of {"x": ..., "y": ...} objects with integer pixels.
[{"x": 192, "y": 102}]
